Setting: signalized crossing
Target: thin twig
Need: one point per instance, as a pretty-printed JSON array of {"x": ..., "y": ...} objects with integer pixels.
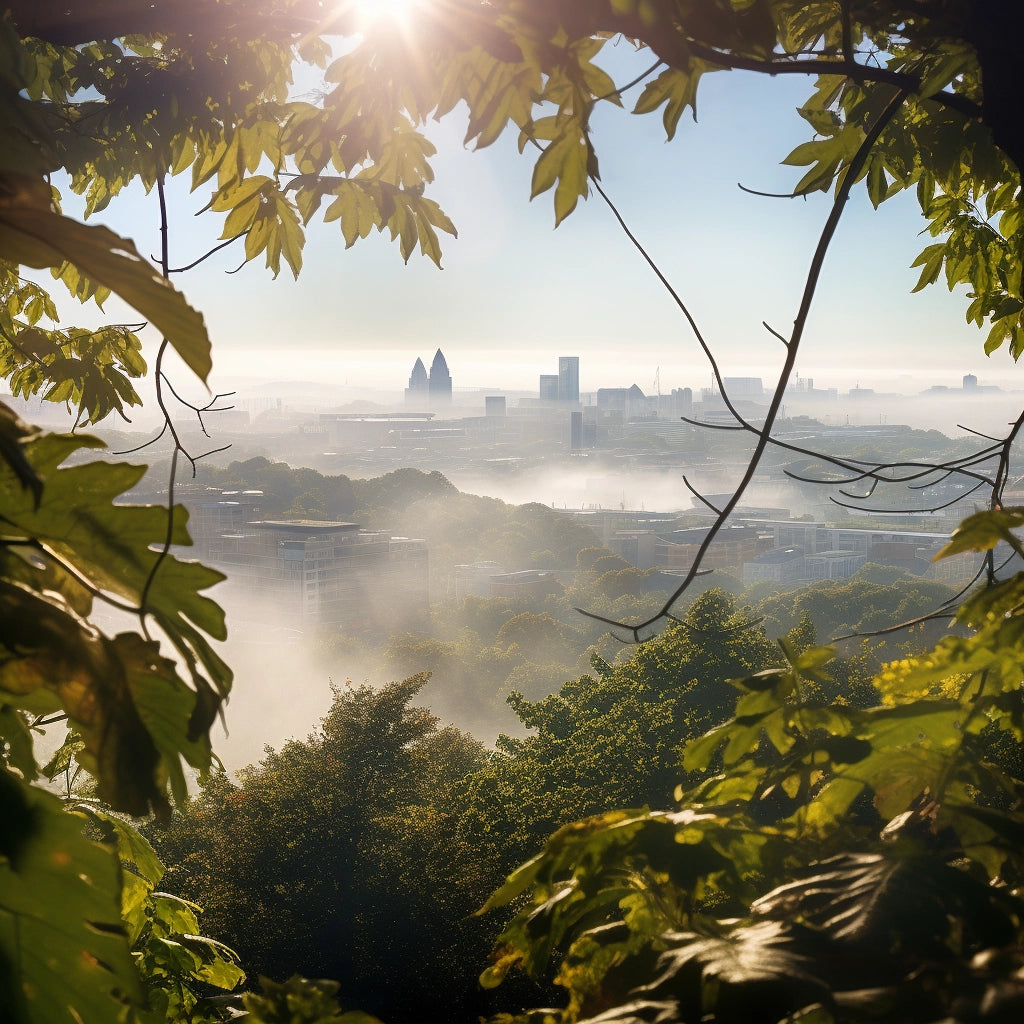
[
  {"x": 216, "y": 249},
  {"x": 619, "y": 90},
  {"x": 145, "y": 444},
  {"x": 774, "y": 333},
  {"x": 803, "y": 194},
  {"x": 700, "y": 497},
  {"x": 971, "y": 430},
  {"x": 667, "y": 285},
  {"x": 713, "y": 426},
  {"x": 789, "y": 364},
  {"x": 890, "y": 511}
]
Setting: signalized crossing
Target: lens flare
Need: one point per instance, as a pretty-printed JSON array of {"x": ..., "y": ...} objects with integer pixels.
[{"x": 397, "y": 12}]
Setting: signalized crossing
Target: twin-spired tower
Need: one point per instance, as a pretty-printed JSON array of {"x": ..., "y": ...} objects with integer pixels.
[{"x": 435, "y": 388}]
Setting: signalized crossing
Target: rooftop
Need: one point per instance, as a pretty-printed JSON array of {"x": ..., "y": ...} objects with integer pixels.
[{"x": 303, "y": 525}]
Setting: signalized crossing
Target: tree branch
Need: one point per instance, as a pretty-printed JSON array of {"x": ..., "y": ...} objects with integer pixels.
[{"x": 810, "y": 287}]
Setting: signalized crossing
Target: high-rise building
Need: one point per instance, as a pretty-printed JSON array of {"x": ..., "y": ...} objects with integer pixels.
[
  {"x": 576, "y": 430},
  {"x": 549, "y": 387},
  {"x": 568, "y": 378},
  {"x": 419, "y": 385},
  {"x": 440, "y": 383}
]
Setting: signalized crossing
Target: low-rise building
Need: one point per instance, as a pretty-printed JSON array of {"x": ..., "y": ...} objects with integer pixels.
[
  {"x": 527, "y": 583},
  {"x": 474, "y": 579},
  {"x": 732, "y": 547},
  {"x": 833, "y": 565},
  {"x": 780, "y": 565}
]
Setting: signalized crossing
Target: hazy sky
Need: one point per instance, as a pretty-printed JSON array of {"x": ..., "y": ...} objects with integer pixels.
[{"x": 515, "y": 294}]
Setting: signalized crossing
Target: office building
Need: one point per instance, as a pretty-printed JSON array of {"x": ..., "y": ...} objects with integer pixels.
[
  {"x": 549, "y": 387},
  {"x": 307, "y": 572},
  {"x": 568, "y": 378},
  {"x": 575, "y": 430}
]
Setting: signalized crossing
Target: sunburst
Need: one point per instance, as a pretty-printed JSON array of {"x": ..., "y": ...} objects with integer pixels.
[{"x": 398, "y": 13}]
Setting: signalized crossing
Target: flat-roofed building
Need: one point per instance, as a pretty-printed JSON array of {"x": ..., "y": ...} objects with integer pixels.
[
  {"x": 733, "y": 547},
  {"x": 474, "y": 579},
  {"x": 833, "y": 565},
  {"x": 548, "y": 387},
  {"x": 780, "y": 565},
  {"x": 568, "y": 378},
  {"x": 527, "y": 583},
  {"x": 313, "y": 572}
]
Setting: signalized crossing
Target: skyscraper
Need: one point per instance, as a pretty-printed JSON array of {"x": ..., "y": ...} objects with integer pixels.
[
  {"x": 418, "y": 389},
  {"x": 575, "y": 430},
  {"x": 568, "y": 378},
  {"x": 440, "y": 383},
  {"x": 549, "y": 387}
]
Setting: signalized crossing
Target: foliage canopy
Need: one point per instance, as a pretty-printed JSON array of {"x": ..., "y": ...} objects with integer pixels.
[{"x": 908, "y": 95}]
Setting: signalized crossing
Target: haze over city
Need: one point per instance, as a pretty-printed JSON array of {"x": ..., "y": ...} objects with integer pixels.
[{"x": 619, "y": 624}]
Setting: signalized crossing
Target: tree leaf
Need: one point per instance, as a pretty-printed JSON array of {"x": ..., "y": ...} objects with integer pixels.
[
  {"x": 60, "y": 920},
  {"x": 33, "y": 235},
  {"x": 982, "y": 531}
]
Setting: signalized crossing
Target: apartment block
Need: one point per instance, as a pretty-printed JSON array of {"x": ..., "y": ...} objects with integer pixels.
[{"x": 307, "y": 572}]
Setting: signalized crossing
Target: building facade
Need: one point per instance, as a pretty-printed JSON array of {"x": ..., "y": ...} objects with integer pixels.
[
  {"x": 307, "y": 573},
  {"x": 429, "y": 389},
  {"x": 419, "y": 384},
  {"x": 549, "y": 387},
  {"x": 440, "y": 381},
  {"x": 568, "y": 378}
]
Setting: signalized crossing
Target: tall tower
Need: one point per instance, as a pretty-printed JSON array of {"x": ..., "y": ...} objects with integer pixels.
[
  {"x": 418, "y": 384},
  {"x": 418, "y": 388},
  {"x": 568, "y": 378},
  {"x": 440, "y": 383}
]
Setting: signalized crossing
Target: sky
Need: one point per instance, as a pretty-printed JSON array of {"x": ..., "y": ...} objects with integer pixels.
[{"x": 515, "y": 293}]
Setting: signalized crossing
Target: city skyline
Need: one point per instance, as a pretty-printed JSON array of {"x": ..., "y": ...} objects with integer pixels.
[{"x": 514, "y": 289}]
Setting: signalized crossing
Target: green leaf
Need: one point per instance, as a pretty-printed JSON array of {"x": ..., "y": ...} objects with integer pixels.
[
  {"x": 33, "y": 235},
  {"x": 299, "y": 1001},
  {"x": 677, "y": 88},
  {"x": 135, "y": 851},
  {"x": 136, "y": 716},
  {"x": 173, "y": 915},
  {"x": 565, "y": 161},
  {"x": 828, "y": 157},
  {"x": 983, "y": 531},
  {"x": 60, "y": 921},
  {"x": 64, "y": 756},
  {"x": 218, "y": 963},
  {"x": 15, "y": 734},
  {"x": 930, "y": 261}
]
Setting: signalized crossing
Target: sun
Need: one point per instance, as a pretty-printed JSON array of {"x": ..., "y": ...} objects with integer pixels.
[{"x": 399, "y": 13}]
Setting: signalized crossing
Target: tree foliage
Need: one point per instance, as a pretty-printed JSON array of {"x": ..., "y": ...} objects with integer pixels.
[
  {"x": 908, "y": 96},
  {"x": 337, "y": 857},
  {"x": 832, "y": 863}
]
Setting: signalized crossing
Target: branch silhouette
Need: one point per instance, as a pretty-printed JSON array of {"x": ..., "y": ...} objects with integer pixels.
[{"x": 763, "y": 434}]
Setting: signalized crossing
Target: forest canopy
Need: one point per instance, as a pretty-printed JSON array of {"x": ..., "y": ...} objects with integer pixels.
[{"x": 801, "y": 813}]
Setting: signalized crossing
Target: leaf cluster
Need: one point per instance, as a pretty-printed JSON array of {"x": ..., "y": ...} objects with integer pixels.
[
  {"x": 827, "y": 862},
  {"x": 336, "y": 856}
]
